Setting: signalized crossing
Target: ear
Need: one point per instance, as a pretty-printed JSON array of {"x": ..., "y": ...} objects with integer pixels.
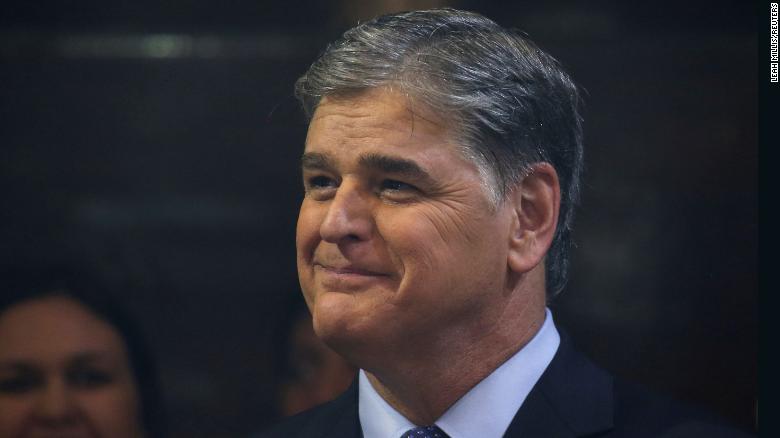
[{"x": 536, "y": 202}]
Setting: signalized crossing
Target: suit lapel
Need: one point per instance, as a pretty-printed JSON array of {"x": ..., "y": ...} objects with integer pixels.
[
  {"x": 337, "y": 418},
  {"x": 347, "y": 423},
  {"x": 572, "y": 398}
]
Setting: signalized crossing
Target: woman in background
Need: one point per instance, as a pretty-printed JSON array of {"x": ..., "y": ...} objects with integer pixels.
[{"x": 71, "y": 362}]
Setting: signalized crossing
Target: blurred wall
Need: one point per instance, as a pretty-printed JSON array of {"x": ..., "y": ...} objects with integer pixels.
[{"x": 159, "y": 143}]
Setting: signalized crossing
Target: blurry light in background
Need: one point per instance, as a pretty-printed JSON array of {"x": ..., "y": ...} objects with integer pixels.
[{"x": 151, "y": 46}]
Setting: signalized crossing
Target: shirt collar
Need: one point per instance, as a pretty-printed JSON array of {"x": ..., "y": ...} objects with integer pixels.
[{"x": 486, "y": 410}]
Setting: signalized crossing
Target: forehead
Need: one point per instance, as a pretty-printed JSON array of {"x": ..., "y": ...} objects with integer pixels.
[
  {"x": 379, "y": 116},
  {"x": 53, "y": 329}
]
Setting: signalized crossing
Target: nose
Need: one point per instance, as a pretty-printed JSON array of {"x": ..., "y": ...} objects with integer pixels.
[
  {"x": 56, "y": 405},
  {"x": 349, "y": 216}
]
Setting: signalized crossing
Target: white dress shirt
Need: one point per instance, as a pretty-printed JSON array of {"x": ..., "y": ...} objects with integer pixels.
[{"x": 486, "y": 410}]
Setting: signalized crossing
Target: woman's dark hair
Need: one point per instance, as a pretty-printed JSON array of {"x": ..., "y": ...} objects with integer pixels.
[{"x": 30, "y": 281}]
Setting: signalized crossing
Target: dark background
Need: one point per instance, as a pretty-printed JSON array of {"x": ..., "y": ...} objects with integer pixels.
[{"x": 158, "y": 143}]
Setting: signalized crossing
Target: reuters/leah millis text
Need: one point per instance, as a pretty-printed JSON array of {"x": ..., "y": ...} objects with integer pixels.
[{"x": 773, "y": 53}]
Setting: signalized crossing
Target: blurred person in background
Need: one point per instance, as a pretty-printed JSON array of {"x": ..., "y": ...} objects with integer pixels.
[
  {"x": 310, "y": 373},
  {"x": 72, "y": 363}
]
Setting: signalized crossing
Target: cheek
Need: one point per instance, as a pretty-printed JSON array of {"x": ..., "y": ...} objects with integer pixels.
[
  {"x": 441, "y": 250},
  {"x": 306, "y": 239},
  {"x": 14, "y": 413},
  {"x": 307, "y": 230},
  {"x": 430, "y": 239},
  {"x": 114, "y": 412},
  {"x": 422, "y": 252}
]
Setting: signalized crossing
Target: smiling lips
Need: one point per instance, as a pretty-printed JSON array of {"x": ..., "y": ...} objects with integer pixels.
[
  {"x": 347, "y": 278},
  {"x": 348, "y": 270}
]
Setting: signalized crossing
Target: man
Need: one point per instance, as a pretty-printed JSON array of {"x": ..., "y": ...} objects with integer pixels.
[{"x": 441, "y": 169}]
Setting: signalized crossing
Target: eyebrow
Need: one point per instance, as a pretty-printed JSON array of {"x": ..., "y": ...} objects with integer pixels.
[
  {"x": 78, "y": 358},
  {"x": 382, "y": 163},
  {"x": 315, "y": 160},
  {"x": 16, "y": 366},
  {"x": 398, "y": 166}
]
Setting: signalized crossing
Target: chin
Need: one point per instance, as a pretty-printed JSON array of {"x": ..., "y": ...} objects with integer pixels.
[
  {"x": 348, "y": 334},
  {"x": 333, "y": 323}
]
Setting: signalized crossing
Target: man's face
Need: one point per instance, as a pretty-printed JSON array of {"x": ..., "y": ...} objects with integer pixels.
[{"x": 396, "y": 237}]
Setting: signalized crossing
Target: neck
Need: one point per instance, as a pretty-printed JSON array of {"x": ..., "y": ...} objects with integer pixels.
[{"x": 423, "y": 389}]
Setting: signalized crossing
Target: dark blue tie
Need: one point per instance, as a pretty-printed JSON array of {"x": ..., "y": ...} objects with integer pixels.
[{"x": 425, "y": 432}]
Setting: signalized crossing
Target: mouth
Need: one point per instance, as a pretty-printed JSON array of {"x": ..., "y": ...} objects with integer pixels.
[
  {"x": 348, "y": 270},
  {"x": 61, "y": 434}
]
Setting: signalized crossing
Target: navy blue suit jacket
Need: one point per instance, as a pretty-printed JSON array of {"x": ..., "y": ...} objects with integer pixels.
[{"x": 573, "y": 398}]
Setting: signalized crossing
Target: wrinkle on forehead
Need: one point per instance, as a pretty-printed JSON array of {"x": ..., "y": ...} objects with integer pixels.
[{"x": 355, "y": 108}]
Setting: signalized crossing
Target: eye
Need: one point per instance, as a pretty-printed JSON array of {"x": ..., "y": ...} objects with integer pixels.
[
  {"x": 20, "y": 384},
  {"x": 396, "y": 186},
  {"x": 88, "y": 378},
  {"x": 319, "y": 186},
  {"x": 320, "y": 181},
  {"x": 398, "y": 191}
]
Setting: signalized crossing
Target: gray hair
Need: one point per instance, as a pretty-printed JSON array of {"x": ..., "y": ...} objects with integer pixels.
[{"x": 511, "y": 104}]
